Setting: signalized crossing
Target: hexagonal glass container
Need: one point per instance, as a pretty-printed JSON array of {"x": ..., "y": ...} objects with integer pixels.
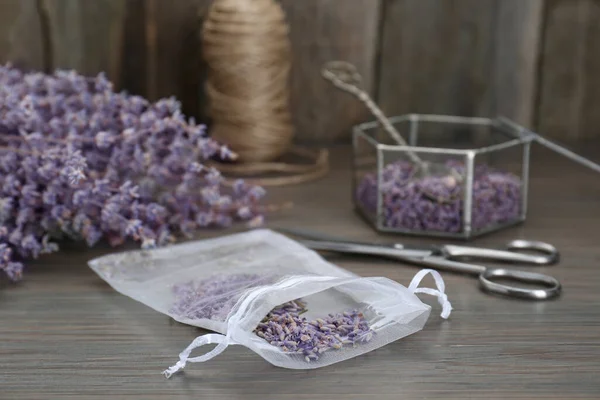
[{"x": 473, "y": 181}]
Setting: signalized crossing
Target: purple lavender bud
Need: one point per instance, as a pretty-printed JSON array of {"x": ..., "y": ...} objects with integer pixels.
[
  {"x": 73, "y": 175},
  {"x": 155, "y": 213},
  {"x": 76, "y": 160},
  {"x": 14, "y": 270},
  {"x": 11, "y": 186},
  {"x": 80, "y": 197},
  {"x": 110, "y": 214},
  {"x": 239, "y": 187},
  {"x": 196, "y": 168},
  {"x": 25, "y": 215},
  {"x": 101, "y": 83},
  {"x": 213, "y": 177},
  {"x": 208, "y": 148},
  {"x": 204, "y": 219},
  {"x": 226, "y": 154},
  {"x": 166, "y": 107},
  {"x": 255, "y": 193},
  {"x": 137, "y": 104},
  {"x": 15, "y": 237},
  {"x": 6, "y": 209},
  {"x": 30, "y": 196},
  {"x": 134, "y": 228},
  {"x": 101, "y": 186},
  {"x": 9, "y": 162},
  {"x": 5, "y": 253},
  {"x": 104, "y": 140},
  {"x": 30, "y": 246}
]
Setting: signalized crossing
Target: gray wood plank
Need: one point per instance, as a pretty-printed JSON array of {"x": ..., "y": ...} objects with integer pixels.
[
  {"x": 436, "y": 57},
  {"x": 163, "y": 51},
  {"x": 86, "y": 35},
  {"x": 21, "y": 36},
  {"x": 516, "y": 58},
  {"x": 322, "y": 31},
  {"x": 67, "y": 334},
  {"x": 570, "y": 85},
  {"x": 173, "y": 50},
  {"x": 134, "y": 69}
]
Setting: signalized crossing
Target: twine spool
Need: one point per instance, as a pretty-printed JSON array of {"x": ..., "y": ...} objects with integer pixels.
[{"x": 247, "y": 50}]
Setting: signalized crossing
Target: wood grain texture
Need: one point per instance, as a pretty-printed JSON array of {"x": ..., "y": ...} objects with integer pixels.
[
  {"x": 134, "y": 66},
  {"x": 436, "y": 57},
  {"x": 173, "y": 50},
  {"x": 66, "y": 334},
  {"x": 518, "y": 28},
  {"x": 323, "y": 31},
  {"x": 86, "y": 35},
  {"x": 570, "y": 84},
  {"x": 21, "y": 34}
]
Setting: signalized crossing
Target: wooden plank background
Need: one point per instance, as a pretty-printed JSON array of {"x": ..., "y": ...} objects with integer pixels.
[
  {"x": 569, "y": 80},
  {"x": 535, "y": 61},
  {"x": 437, "y": 57}
]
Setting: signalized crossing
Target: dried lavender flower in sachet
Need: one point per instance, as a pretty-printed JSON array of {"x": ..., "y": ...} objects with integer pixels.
[{"x": 271, "y": 294}]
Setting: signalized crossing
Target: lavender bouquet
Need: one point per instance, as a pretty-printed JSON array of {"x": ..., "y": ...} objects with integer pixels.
[{"x": 81, "y": 161}]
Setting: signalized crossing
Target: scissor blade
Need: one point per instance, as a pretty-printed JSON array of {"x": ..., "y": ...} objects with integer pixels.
[
  {"x": 319, "y": 241},
  {"x": 365, "y": 249},
  {"x": 312, "y": 235}
]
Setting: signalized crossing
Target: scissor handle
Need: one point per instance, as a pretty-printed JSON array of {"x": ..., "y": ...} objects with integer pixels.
[
  {"x": 553, "y": 286},
  {"x": 548, "y": 254}
]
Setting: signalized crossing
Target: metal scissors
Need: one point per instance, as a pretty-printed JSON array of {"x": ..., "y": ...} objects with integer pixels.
[{"x": 443, "y": 257}]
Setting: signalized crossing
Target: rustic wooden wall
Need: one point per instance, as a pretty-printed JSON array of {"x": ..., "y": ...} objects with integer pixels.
[
  {"x": 438, "y": 57},
  {"x": 534, "y": 60},
  {"x": 569, "y": 97},
  {"x": 321, "y": 31},
  {"x": 21, "y": 34}
]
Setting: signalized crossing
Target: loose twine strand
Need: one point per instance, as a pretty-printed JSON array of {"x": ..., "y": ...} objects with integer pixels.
[
  {"x": 248, "y": 53},
  {"x": 344, "y": 76}
]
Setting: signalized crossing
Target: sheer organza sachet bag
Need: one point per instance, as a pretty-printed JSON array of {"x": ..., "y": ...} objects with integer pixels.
[{"x": 264, "y": 291}]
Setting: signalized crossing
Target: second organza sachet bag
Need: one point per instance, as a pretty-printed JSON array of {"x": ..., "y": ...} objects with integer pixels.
[{"x": 269, "y": 293}]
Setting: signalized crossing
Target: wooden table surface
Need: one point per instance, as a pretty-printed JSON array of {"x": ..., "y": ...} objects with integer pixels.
[{"x": 64, "y": 333}]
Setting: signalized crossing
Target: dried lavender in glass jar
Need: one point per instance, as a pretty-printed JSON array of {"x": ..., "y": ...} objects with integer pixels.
[{"x": 435, "y": 203}]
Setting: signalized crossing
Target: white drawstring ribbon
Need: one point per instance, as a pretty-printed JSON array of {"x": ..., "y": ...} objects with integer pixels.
[
  {"x": 222, "y": 342},
  {"x": 439, "y": 293}
]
